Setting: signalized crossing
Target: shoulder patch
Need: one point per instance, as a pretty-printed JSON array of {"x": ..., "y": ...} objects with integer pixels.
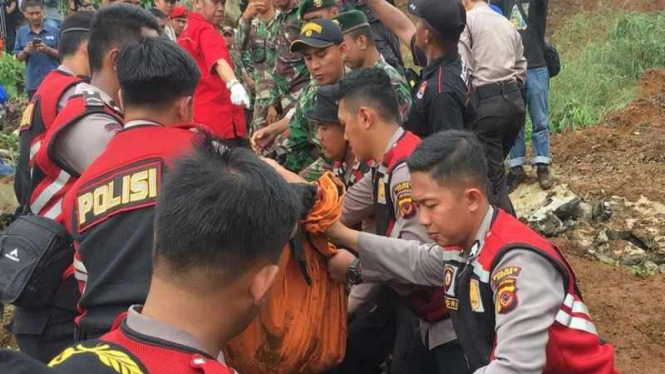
[
  {"x": 98, "y": 358},
  {"x": 506, "y": 296},
  {"x": 504, "y": 273},
  {"x": 405, "y": 204},
  {"x": 131, "y": 187}
]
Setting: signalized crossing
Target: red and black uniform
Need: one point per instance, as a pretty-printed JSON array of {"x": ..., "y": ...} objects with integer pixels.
[
  {"x": 135, "y": 353},
  {"x": 109, "y": 213},
  {"x": 427, "y": 304},
  {"x": 53, "y": 178},
  {"x": 37, "y": 120},
  {"x": 573, "y": 345}
]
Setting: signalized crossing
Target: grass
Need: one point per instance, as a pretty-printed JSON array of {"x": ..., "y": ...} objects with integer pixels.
[{"x": 603, "y": 53}]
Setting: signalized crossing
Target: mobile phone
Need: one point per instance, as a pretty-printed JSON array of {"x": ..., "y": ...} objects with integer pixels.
[{"x": 36, "y": 41}]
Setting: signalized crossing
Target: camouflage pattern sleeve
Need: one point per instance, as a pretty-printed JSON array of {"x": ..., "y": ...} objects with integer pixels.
[
  {"x": 401, "y": 87},
  {"x": 301, "y": 143}
]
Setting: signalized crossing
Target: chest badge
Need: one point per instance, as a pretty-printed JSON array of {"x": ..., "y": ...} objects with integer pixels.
[
  {"x": 474, "y": 296},
  {"x": 421, "y": 90},
  {"x": 381, "y": 191}
]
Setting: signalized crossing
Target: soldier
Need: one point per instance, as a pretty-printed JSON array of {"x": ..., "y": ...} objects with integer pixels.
[
  {"x": 361, "y": 51},
  {"x": 513, "y": 296},
  {"x": 315, "y": 9},
  {"x": 256, "y": 41},
  {"x": 385, "y": 40},
  {"x": 322, "y": 44}
]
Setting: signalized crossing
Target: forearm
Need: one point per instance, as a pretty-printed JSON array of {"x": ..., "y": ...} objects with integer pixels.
[
  {"x": 225, "y": 71},
  {"x": 52, "y": 52},
  {"x": 394, "y": 20},
  {"x": 22, "y": 56}
]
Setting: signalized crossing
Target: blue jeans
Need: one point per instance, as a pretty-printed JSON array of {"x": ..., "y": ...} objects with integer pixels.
[{"x": 535, "y": 92}]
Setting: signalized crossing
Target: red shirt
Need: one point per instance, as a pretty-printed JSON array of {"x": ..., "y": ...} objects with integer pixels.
[{"x": 212, "y": 102}]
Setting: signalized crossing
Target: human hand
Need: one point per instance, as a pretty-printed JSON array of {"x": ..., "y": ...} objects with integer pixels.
[
  {"x": 239, "y": 95},
  {"x": 251, "y": 11},
  {"x": 338, "y": 265},
  {"x": 28, "y": 48},
  {"x": 288, "y": 175},
  {"x": 262, "y": 138},
  {"x": 271, "y": 116}
]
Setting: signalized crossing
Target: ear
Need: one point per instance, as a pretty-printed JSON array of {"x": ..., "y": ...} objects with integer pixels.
[
  {"x": 342, "y": 49},
  {"x": 474, "y": 198},
  {"x": 262, "y": 282},
  {"x": 121, "y": 99},
  {"x": 184, "y": 107},
  {"x": 365, "y": 117},
  {"x": 335, "y": 11},
  {"x": 113, "y": 57}
]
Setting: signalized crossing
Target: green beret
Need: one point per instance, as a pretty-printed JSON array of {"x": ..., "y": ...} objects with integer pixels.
[
  {"x": 351, "y": 20},
  {"x": 308, "y": 6}
]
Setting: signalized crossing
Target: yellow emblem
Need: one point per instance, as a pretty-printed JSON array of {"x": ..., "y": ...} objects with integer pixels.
[
  {"x": 119, "y": 361},
  {"x": 381, "y": 192},
  {"x": 26, "y": 118},
  {"x": 474, "y": 296},
  {"x": 318, "y": 3},
  {"x": 309, "y": 28}
]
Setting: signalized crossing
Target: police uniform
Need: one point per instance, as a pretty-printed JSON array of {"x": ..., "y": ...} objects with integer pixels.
[
  {"x": 492, "y": 48},
  {"x": 43, "y": 333},
  {"x": 144, "y": 345},
  {"x": 388, "y": 187},
  {"x": 442, "y": 99},
  {"x": 115, "y": 198},
  {"x": 513, "y": 297}
]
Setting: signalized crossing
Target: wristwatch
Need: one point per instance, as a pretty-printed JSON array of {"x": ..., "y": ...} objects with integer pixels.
[{"x": 353, "y": 273}]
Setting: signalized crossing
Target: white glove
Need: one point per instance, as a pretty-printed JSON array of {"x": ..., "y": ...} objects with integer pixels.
[{"x": 239, "y": 95}]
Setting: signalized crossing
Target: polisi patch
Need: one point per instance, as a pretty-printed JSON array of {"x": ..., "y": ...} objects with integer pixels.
[
  {"x": 506, "y": 272},
  {"x": 449, "y": 274},
  {"x": 132, "y": 187},
  {"x": 506, "y": 296}
]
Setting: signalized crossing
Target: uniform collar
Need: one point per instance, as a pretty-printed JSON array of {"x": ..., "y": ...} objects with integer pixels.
[
  {"x": 156, "y": 329},
  {"x": 394, "y": 138},
  {"x": 436, "y": 63},
  {"x": 140, "y": 122},
  {"x": 380, "y": 62},
  {"x": 483, "y": 230},
  {"x": 65, "y": 69}
]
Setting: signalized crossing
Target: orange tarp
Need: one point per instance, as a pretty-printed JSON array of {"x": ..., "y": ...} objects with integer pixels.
[{"x": 301, "y": 328}]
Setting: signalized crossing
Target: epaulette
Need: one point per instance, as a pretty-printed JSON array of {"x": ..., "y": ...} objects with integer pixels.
[{"x": 93, "y": 98}]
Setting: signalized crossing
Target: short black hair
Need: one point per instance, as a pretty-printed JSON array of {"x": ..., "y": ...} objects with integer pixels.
[
  {"x": 31, "y": 3},
  {"x": 363, "y": 31},
  {"x": 157, "y": 13},
  {"x": 75, "y": 30},
  {"x": 222, "y": 210},
  {"x": 113, "y": 27},
  {"x": 155, "y": 72},
  {"x": 371, "y": 87},
  {"x": 452, "y": 157}
]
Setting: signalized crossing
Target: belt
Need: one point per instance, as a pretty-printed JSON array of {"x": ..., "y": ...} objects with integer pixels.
[{"x": 496, "y": 89}]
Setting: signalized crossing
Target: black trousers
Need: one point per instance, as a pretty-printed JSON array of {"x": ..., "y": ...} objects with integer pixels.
[
  {"x": 43, "y": 334},
  {"x": 499, "y": 120}
]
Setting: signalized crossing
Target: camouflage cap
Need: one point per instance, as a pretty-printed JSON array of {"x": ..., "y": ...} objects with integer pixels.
[{"x": 351, "y": 20}]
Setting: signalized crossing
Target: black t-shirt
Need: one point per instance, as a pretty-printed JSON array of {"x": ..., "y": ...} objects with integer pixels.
[
  {"x": 441, "y": 98},
  {"x": 531, "y": 25}
]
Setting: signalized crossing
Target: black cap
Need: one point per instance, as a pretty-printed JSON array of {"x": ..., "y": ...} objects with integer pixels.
[
  {"x": 446, "y": 17},
  {"x": 324, "y": 109},
  {"x": 320, "y": 33}
]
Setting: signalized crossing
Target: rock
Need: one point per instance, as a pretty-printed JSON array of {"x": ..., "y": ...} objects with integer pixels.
[
  {"x": 584, "y": 211},
  {"x": 549, "y": 226},
  {"x": 602, "y": 211},
  {"x": 545, "y": 211},
  {"x": 568, "y": 208},
  {"x": 631, "y": 255},
  {"x": 662, "y": 268},
  {"x": 651, "y": 267}
]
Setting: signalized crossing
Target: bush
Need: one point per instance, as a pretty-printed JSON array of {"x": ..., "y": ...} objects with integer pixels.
[
  {"x": 12, "y": 75},
  {"x": 604, "y": 54}
]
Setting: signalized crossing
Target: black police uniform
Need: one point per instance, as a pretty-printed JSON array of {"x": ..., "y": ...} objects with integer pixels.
[{"x": 441, "y": 101}]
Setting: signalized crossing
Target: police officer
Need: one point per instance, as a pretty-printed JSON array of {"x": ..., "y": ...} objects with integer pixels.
[
  {"x": 42, "y": 333},
  {"x": 116, "y": 195},
  {"x": 513, "y": 297},
  {"x": 441, "y": 100},
  {"x": 361, "y": 51},
  {"x": 492, "y": 49},
  {"x": 368, "y": 112}
]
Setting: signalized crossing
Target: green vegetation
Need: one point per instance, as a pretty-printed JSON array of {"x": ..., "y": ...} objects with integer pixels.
[
  {"x": 12, "y": 74},
  {"x": 603, "y": 55}
]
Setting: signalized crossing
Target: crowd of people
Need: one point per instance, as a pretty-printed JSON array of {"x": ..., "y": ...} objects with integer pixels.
[{"x": 190, "y": 165}]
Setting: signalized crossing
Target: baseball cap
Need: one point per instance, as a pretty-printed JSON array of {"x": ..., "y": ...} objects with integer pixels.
[
  {"x": 351, "y": 20},
  {"x": 178, "y": 12},
  {"x": 447, "y": 17},
  {"x": 307, "y": 6},
  {"x": 320, "y": 33},
  {"x": 324, "y": 109}
]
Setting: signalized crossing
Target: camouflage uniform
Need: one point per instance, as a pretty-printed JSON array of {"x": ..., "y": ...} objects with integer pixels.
[
  {"x": 256, "y": 41},
  {"x": 290, "y": 75},
  {"x": 401, "y": 88}
]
